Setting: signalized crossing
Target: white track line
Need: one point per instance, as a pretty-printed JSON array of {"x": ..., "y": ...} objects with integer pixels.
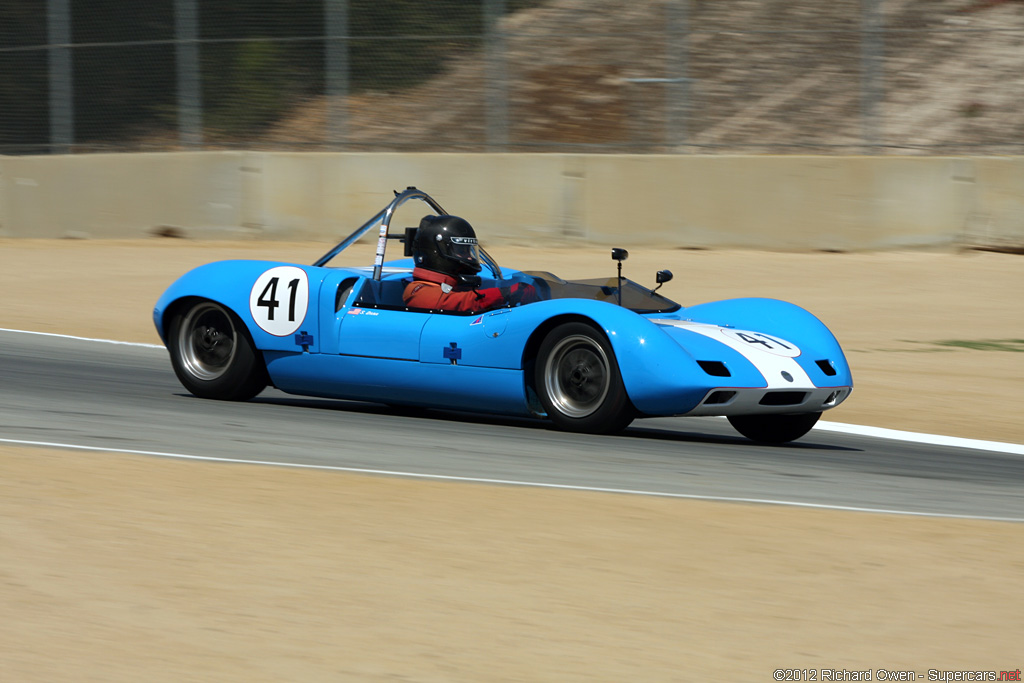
[
  {"x": 512, "y": 482},
  {"x": 857, "y": 430},
  {"x": 917, "y": 437},
  {"x": 89, "y": 339}
]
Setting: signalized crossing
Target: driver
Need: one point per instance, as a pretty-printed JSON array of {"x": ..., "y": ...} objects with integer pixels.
[{"x": 447, "y": 259}]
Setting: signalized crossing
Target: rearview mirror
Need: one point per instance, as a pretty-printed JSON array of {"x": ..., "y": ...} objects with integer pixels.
[
  {"x": 663, "y": 276},
  {"x": 619, "y": 254}
]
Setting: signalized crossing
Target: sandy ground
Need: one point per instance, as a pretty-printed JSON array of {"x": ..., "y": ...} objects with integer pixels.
[{"x": 120, "y": 568}]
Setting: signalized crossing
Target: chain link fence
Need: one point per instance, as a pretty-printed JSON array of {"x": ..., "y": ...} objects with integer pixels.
[{"x": 656, "y": 76}]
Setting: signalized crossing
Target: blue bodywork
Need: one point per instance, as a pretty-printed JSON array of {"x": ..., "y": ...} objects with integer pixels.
[
  {"x": 346, "y": 333},
  {"x": 352, "y": 345}
]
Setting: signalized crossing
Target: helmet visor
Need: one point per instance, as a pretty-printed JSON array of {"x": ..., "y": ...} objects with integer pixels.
[{"x": 465, "y": 250}]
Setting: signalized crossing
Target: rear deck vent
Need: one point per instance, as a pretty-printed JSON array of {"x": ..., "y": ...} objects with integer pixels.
[
  {"x": 715, "y": 368},
  {"x": 826, "y": 367},
  {"x": 783, "y": 398},
  {"x": 719, "y": 397}
]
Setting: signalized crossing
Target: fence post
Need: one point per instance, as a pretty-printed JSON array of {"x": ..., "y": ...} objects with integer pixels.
[
  {"x": 677, "y": 83},
  {"x": 872, "y": 46},
  {"x": 496, "y": 75},
  {"x": 336, "y": 78},
  {"x": 62, "y": 105},
  {"x": 190, "y": 97}
]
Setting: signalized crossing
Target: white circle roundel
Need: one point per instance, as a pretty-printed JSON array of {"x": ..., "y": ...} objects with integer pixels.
[{"x": 279, "y": 299}]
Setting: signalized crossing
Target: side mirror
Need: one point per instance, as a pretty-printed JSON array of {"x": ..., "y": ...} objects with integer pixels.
[
  {"x": 661, "y": 277},
  {"x": 619, "y": 255}
]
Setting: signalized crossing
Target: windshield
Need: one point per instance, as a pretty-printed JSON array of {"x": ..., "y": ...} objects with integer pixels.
[{"x": 635, "y": 297}]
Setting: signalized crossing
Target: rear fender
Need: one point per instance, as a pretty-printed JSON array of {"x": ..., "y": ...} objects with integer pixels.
[{"x": 287, "y": 319}]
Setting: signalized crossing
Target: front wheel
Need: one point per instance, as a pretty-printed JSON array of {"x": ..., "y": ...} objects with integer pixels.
[
  {"x": 774, "y": 429},
  {"x": 212, "y": 354},
  {"x": 578, "y": 381}
]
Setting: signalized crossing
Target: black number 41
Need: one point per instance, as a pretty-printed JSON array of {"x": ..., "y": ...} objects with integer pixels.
[
  {"x": 753, "y": 339},
  {"x": 269, "y": 298}
]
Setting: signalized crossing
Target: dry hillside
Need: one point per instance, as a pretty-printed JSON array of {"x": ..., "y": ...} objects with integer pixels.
[{"x": 766, "y": 75}]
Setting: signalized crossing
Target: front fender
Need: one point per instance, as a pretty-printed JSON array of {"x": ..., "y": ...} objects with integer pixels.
[
  {"x": 659, "y": 362},
  {"x": 786, "y": 320},
  {"x": 660, "y": 376}
]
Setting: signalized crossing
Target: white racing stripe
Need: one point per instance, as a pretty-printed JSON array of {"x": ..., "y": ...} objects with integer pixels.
[
  {"x": 770, "y": 363},
  {"x": 512, "y": 482}
]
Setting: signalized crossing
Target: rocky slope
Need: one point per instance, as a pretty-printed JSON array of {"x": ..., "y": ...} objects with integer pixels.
[{"x": 947, "y": 76}]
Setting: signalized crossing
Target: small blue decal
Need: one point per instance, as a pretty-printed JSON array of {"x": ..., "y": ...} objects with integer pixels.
[{"x": 453, "y": 353}]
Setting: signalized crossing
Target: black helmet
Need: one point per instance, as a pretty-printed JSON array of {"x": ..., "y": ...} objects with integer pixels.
[{"x": 446, "y": 244}]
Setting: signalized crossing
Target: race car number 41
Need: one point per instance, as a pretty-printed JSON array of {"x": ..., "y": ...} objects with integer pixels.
[
  {"x": 279, "y": 299},
  {"x": 764, "y": 342}
]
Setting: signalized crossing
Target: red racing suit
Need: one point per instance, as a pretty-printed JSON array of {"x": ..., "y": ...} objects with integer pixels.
[{"x": 439, "y": 292}]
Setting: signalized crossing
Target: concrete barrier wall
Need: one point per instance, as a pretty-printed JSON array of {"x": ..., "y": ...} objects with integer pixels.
[{"x": 787, "y": 202}]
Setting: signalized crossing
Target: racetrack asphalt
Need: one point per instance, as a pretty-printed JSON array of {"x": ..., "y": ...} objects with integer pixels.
[{"x": 66, "y": 391}]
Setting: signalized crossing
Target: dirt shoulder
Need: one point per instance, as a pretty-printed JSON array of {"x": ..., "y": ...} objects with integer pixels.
[
  {"x": 123, "y": 568},
  {"x": 120, "y": 568}
]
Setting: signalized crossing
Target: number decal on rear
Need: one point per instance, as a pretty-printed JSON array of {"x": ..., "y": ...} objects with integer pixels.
[{"x": 279, "y": 299}]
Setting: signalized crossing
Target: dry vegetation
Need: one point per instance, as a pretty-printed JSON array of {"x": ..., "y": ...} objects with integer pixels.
[{"x": 767, "y": 75}]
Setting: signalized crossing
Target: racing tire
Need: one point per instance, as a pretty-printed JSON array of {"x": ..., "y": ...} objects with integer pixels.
[
  {"x": 213, "y": 355},
  {"x": 774, "y": 429},
  {"x": 578, "y": 381}
]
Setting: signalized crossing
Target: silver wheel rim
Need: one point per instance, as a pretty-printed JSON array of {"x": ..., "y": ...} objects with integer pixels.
[
  {"x": 576, "y": 376},
  {"x": 206, "y": 340}
]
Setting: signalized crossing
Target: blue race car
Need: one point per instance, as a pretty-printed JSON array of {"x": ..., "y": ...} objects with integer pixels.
[{"x": 588, "y": 355}]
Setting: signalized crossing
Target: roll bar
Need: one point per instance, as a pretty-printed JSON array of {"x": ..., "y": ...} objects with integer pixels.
[{"x": 384, "y": 219}]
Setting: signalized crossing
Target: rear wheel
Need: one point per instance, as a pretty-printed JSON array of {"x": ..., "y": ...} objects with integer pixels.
[
  {"x": 774, "y": 428},
  {"x": 212, "y": 354},
  {"x": 578, "y": 381}
]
